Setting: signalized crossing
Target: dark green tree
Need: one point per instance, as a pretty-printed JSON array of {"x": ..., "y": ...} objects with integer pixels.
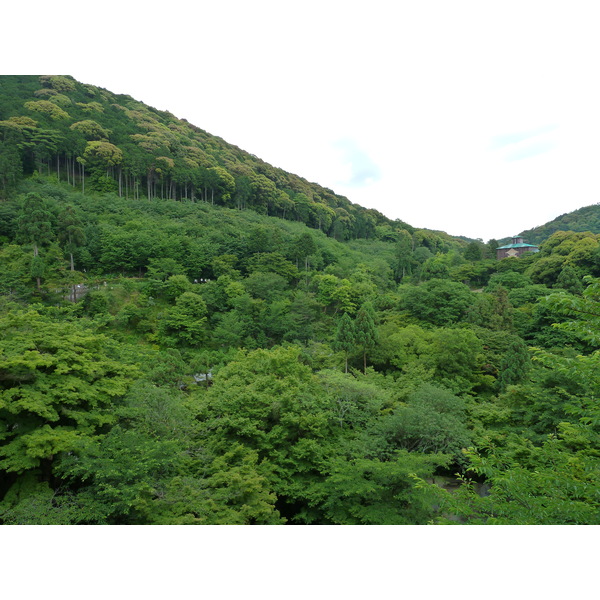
[
  {"x": 437, "y": 301},
  {"x": 34, "y": 226},
  {"x": 515, "y": 364},
  {"x": 474, "y": 251},
  {"x": 345, "y": 339},
  {"x": 365, "y": 330},
  {"x": 70, "y": 231},
  {"x": 569, "y": 280},
  {"x": 403, "y": 255},
  {"x": 11, "y": 167}
]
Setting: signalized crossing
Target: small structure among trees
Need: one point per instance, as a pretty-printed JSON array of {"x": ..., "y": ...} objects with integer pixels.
[{"x": 517, "y": 248}]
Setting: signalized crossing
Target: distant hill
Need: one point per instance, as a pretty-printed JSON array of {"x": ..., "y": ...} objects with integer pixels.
[{"x": 582, "y": 219}]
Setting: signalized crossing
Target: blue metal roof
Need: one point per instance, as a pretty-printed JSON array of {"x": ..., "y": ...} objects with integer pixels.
[{"x": 521, "y": 245}]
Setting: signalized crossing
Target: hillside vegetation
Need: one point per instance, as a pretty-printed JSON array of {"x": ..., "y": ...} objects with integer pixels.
[
  {"x": 580, "y": 220},
  {"x": 56, "y": 124},
  {"x": 170, "y": 354}
]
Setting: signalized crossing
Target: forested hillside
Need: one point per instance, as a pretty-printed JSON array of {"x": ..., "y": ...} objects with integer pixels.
[
  {"x": 580, "y": 220},
  {"x": 113, "y": 143},
  {"x": 174, "y": 351}
]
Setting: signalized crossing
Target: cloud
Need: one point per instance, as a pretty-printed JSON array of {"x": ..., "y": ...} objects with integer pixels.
[
  {"x": 360, "y": 168},
  {"x": 500, "y": 141},
  {"x": 529, "y": 150},
  {"x": 524, "y": 144}
]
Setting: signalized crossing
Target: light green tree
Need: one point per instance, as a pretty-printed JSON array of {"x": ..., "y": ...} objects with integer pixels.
[
  {"x": 185, "y": 323},
  {"x": 59, "y": 382}
]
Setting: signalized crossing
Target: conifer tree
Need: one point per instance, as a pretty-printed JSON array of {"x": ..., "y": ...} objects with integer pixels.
[
  {"x": 515, "y": 364},
  {"x": 365, "y": 330},
  {"x": 403, "y": 255},
  {"x": 71, "y": 232},
  {"x": 345, "y": 337},
  {"x": 502, "y": 318},
  {"x": 35, "y": 227}
]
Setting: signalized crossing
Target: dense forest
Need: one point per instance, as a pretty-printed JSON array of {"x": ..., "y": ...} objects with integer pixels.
[{"x": 191, "y": 336}]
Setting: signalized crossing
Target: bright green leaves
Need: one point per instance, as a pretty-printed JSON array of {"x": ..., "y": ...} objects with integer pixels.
[
  {"x": 371, "y": 492},
  {"x": 185, "y": 323},
  {"x": 584, "y": 311},
  {"x": 438, "y": 301},
  {"x": 450, "y": 357},
  {"x": 47, "y": 108},
  {"x": 91, "y": 130},
  {"x": 57, "y": 380},
  {"x": 557, "y": 483},
  {"x": 268, "y": 401},
  {"x": 233, "y": 491},
  {"x": 252, "y": 394},
  {"x": 102, "y": 154},
  {"x": 27, "y": 450},
  {"x": 336, "y": 293}
]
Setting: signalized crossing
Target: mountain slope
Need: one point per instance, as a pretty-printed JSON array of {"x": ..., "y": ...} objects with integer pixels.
[
  {"x": 109, "y": 142},
  {"x": 582, "y": 219}
]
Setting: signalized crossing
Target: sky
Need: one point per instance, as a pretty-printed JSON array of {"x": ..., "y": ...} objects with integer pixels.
[{"x": 476, "y": 118}]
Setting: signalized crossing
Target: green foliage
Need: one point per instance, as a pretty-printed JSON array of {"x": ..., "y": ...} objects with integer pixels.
[
  {"x": 437, "y": 301},
  {"x": 586, "y": 219},
  {"x": 345, "y": 337},
  {"x": 583, "y": 311},
  {"x": 433, "y": 421},
  {"x": 353, "y": 403},
  {"x": 238, "y": 323},
  {"x": 365, "y": 331},
  {"x": 34, "y": 222},
  {"x": 373, "y": 492},
  {"x": 58, "y": 382},
  {"x": 47, "y": 108},
  {"x": 558, "y": 484},
  {"x": 185, "y": 323},
  {"x": 515, "y": 364}
]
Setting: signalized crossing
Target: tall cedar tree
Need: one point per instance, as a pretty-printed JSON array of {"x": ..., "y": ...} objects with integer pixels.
[
  {"x": 35, "y": 228},
  {"x": 365, "y": 330},
  {"x": 345, "y": 337}
]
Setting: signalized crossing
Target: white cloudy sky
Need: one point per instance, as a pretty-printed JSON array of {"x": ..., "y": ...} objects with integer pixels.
[{"x": 477, "y": 118}]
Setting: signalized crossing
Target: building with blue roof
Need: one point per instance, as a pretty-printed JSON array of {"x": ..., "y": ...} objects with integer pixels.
[{"x": 517, "y": 249}]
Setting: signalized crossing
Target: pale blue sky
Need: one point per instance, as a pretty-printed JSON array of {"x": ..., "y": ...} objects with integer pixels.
[{"x": 477, "y": 118}]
